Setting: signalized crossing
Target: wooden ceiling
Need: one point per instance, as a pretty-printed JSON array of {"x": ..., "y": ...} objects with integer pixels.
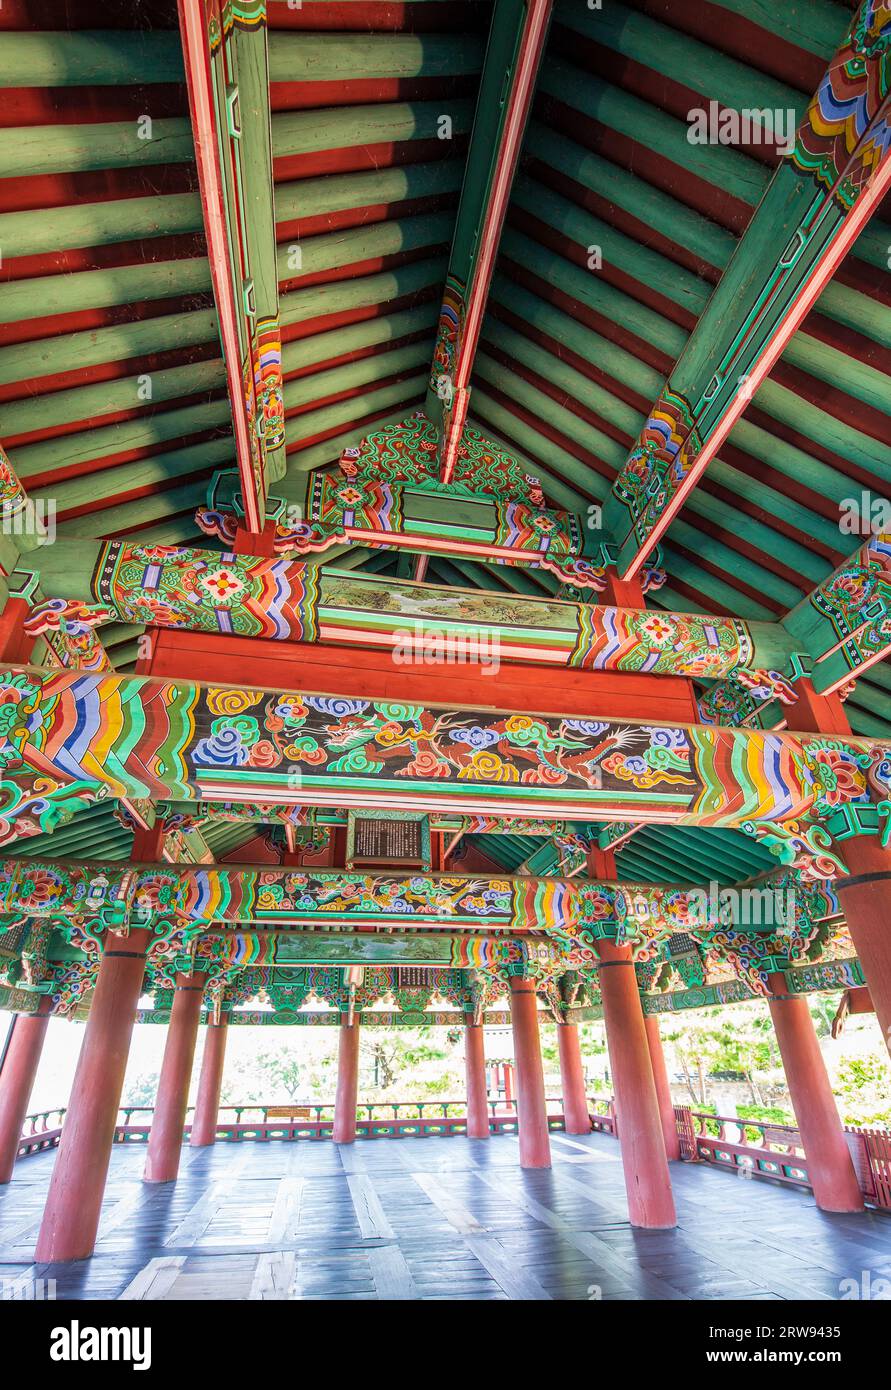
[{"x": 105, "y": 284}]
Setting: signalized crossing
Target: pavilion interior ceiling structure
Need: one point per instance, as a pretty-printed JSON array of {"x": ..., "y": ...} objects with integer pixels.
[
  {"x": 444, "y": 550},
  {"x": 113, "y": 395}
]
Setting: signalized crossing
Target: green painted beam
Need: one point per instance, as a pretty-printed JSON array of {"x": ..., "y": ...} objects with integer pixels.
[
  {"x": 638, "y": 377},
  {"x": 301, "y": 353},
  {"x": 334, "y": 250},
  {"x": 129, "y": 516},
  {"x": 364, "y": 372},
  {"x": 318, "y": 197},
  {"x": 333, "y": 417},
  {"x": 71, "y": 149},
  {"x": 111, "y": 483},
  {"x": 791, "y": 248},
  {"x": 366, "y": 291},
  {"x": 337, "y": 128},
  {"x": 90, "y": 58},
  {"x": 671, "y": 53},
  {"x": 108, "y": 397},
  {"x": 339, "y": 57},
  {"x": 647, "y": 125},
  {"x": 144, "y": 431},
  {"x": 42, "y": 231},
  {"x": 69, "y": 351},
  {"x": 101, "y": 289},
  {"x": 817, "y": 26}
]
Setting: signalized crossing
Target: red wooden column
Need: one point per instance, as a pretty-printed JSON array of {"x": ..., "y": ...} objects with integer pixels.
[
  {"x": 663, "y": 1087},
  {"x": 347, "y": 1082},
  {"x": 647, "y": 1182},
  {"x": 207, "y": 1102},
  {"x": 17, "y": 1080},
  {"x": 532, "y": 1110},
  {"x": 865, "y": 891},
  {"x": 166, "y": 1136},
  {"x": 15, "y": 644},
  {"x": 71, "y": 1214},
  {"x": 576, "y": 1118},
  {"x": 828, "y": 1159},
  {"x": 475, "y": 1071}
]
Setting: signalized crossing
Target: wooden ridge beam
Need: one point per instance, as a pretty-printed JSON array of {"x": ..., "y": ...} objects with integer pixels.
[
  {"x": 514, "y": 51},
  {"x": 227, "y": 75},
  {"x": 814, "y": 209}
]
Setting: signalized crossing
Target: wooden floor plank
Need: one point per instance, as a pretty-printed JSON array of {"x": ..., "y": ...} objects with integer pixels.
[
  {"x": 276, "y": 1277},
  {"x": 391, "y": 1274},
  {"x": 156, "y": 1280},
  {"x": 436, "y": 1219}
]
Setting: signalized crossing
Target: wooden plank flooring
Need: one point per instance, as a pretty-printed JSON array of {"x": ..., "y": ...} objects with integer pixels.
[{"x": 439, "y": 1218}]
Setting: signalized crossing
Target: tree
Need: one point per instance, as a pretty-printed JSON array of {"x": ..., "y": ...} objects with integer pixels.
[
  {"x": 142, "y": 1090},
  {"x": 280, "y": 1065}
]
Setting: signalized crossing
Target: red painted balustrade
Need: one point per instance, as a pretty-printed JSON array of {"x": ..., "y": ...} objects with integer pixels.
[
  {"x": 384, "y": 1119},
  {"x": 760, "y": 1148}
]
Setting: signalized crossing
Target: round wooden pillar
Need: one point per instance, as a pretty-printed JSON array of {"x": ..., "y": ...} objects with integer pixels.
[
  {"x": 663, "y": 1088},
  {"x": 77, "y": 1185},
  {"x": 210, "y": 1081},
  {"x": 532, "y": 1110},
  {"x": 828, "y": 1159},
  {"x": 576, "y": 1117},
  {"x": 347, "y": 1096},
  {"x": 647, "y": 1181},
  {"x": 864, "y": 892},
  {"x": 475, "y": 1072},
  {"x": 864, "y": 895},
  {"x": 166, "y": 1136},
  {"x": 17, "y": 1081}
]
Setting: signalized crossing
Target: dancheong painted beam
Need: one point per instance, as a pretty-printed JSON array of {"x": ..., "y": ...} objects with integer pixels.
[
  {"x": 71, "y": 737},
  {"x": 816, "y": 205},
  {"x": 208, "y": 898},
  {"x": 387, "y": 496},
  {"x": 285, "y": 599}
]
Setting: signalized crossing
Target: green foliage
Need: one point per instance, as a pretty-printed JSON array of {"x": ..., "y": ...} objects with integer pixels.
[
  {"x": 142, "y": 1090},
  {"x": 282, "y": 1067},
  {"x": 863, "y": 1087},
  {"x": 766, "y": 1112}
]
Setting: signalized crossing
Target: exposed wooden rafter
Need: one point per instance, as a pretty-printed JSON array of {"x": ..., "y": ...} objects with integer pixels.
[
  {"x": 227, "y": 73},
  {"x": 818, "y": 202},
  {"x": 516, "y": 44}
]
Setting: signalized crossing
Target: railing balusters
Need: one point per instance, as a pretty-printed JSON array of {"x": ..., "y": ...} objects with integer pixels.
[{"x": 763, "y": 1147}]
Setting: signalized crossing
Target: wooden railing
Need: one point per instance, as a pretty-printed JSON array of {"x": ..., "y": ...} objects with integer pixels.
[
  {"x": 603, "y": 1114},
  {"x": 760, "y": 1148},
  {"x": 42, "y": 1130},
  {"x": 764, "y": 1149},
  {"x": 375, "y": 1120},
  {"x": 753, "y": 1147}
]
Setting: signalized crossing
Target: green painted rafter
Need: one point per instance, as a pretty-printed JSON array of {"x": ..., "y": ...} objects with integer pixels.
[{"x": 812, "y": 212}]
